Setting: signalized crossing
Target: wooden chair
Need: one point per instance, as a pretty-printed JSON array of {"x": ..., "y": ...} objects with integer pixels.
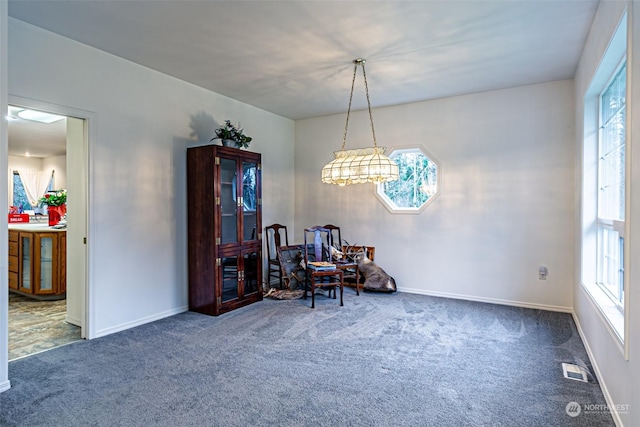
[
  {"x": 274, "y": 235},
  {"x": 334, "y": 237},
  {"x": 314, "y": 251},
  {"x": 349, "y": 268}
]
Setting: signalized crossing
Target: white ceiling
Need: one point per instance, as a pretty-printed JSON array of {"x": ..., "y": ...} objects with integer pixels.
[
  {"x": 294, "y": 58},
  {"x": 29, "y": 138}
]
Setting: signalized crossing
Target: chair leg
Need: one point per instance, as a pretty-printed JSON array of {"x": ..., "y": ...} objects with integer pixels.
[{"x": 331, "y": 286}]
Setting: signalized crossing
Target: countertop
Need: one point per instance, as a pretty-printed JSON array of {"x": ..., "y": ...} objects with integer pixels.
[{"x": 43, "y": 227}]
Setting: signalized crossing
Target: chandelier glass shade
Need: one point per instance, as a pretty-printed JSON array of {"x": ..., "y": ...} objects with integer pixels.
[{"x": 361, "y": 165}]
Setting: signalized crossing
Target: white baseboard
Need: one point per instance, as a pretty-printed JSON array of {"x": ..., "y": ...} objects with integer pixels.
[
  {"x": 4, "y": 386},
  {"x": 601, "y": 383},
  {"x": 139, "y": 322},
  {"x": 488, "y": 300}
]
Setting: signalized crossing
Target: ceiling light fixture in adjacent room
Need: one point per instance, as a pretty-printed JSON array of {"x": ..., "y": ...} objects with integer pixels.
[
  {"x": 39, "y": 116},
  {"x": 364, "y": 164}
]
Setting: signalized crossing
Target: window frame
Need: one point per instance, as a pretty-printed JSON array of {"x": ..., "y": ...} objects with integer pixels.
[
  {"x": 604, "y": 223},
  {"x": 389, "y": 204},
  {"x": 615, "y": 317}
]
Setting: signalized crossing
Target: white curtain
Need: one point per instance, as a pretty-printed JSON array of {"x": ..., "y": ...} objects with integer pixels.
[{"x": 35, "y": 184}]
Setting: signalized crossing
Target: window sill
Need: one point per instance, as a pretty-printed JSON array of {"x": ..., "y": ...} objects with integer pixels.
[{"x": 612, "y": 315}]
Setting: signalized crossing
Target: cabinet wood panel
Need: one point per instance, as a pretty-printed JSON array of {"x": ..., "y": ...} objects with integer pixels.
[
  {"x": 13, "y": 264},
  {"x": 13, "y": 280},
  {"x": 13, "y": 259}
]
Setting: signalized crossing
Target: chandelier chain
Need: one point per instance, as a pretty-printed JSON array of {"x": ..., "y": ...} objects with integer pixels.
[
  {"x": 346, "y": 125},
  {"x": 366, "y": 89}
]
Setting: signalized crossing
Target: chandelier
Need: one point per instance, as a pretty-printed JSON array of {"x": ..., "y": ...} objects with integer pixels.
[{"x": 361, "y": 165}]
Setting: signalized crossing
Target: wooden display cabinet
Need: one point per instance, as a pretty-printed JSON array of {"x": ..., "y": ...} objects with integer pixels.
[{"x": 224, "y": 200}]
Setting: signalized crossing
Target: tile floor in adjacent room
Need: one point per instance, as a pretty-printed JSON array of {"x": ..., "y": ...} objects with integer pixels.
[{"x": 35, "y": 326}]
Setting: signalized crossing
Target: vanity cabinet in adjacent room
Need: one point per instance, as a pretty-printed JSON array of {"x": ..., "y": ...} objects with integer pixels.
[
  {"x": 13, "y": 259},
  {"x": 37, "y": 262},
  {"x": 224, "y": 203}
]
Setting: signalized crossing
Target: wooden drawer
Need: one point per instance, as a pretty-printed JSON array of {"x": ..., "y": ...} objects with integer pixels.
[
  {"x": 13, "y": 248},
  {"x": 13, "y": 280},
  {"x": 13, "y": 236},
  {"x": 13, "y": 264}
]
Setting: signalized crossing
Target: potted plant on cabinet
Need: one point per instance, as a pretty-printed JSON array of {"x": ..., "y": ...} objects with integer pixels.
[{"x": 232, "y": 135}]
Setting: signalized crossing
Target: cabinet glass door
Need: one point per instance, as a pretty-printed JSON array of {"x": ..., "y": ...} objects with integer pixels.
[
  {"x": 251, "y": 276},
  {"x": 46, "y": 263},
  {"x": 25, "y": 277},
  {"x": 250, "y": 200},
  {"x": 229, "y": 278},
  {"x": 228, "y": 205}
]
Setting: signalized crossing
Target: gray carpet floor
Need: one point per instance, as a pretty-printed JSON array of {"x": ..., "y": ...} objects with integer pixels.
[{"x": 381, "y": 360}]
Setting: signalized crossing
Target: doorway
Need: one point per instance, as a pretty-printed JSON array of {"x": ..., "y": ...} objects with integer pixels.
[{"x": 61, "y": 146}]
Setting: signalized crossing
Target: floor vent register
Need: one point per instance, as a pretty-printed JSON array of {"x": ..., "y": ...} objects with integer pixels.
[{"x": 574, "y": 372}]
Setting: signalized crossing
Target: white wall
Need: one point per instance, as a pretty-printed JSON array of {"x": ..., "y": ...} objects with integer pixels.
[
  {"x": 506, "y": 206},
  {"x": 4, "y": 256},
  {"x": 31, "y": 163},
  {"x": 618, "y": 377},
  {"x": 144, "y": 121},
  {"x": 58, "y": 164}
]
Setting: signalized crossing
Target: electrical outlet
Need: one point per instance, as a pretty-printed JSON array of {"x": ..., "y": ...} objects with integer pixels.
[{"x": 542, "y": 273}]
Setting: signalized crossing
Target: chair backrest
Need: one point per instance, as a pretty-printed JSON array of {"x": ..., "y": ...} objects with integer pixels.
[
  {"x": 313, "y": 248},
  {"x": 274, "y": 233},
  {"x": 334, "y": 237}
]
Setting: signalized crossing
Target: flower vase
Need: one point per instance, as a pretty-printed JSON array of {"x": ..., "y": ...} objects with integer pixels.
[{"x": 55, "y": 214}]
